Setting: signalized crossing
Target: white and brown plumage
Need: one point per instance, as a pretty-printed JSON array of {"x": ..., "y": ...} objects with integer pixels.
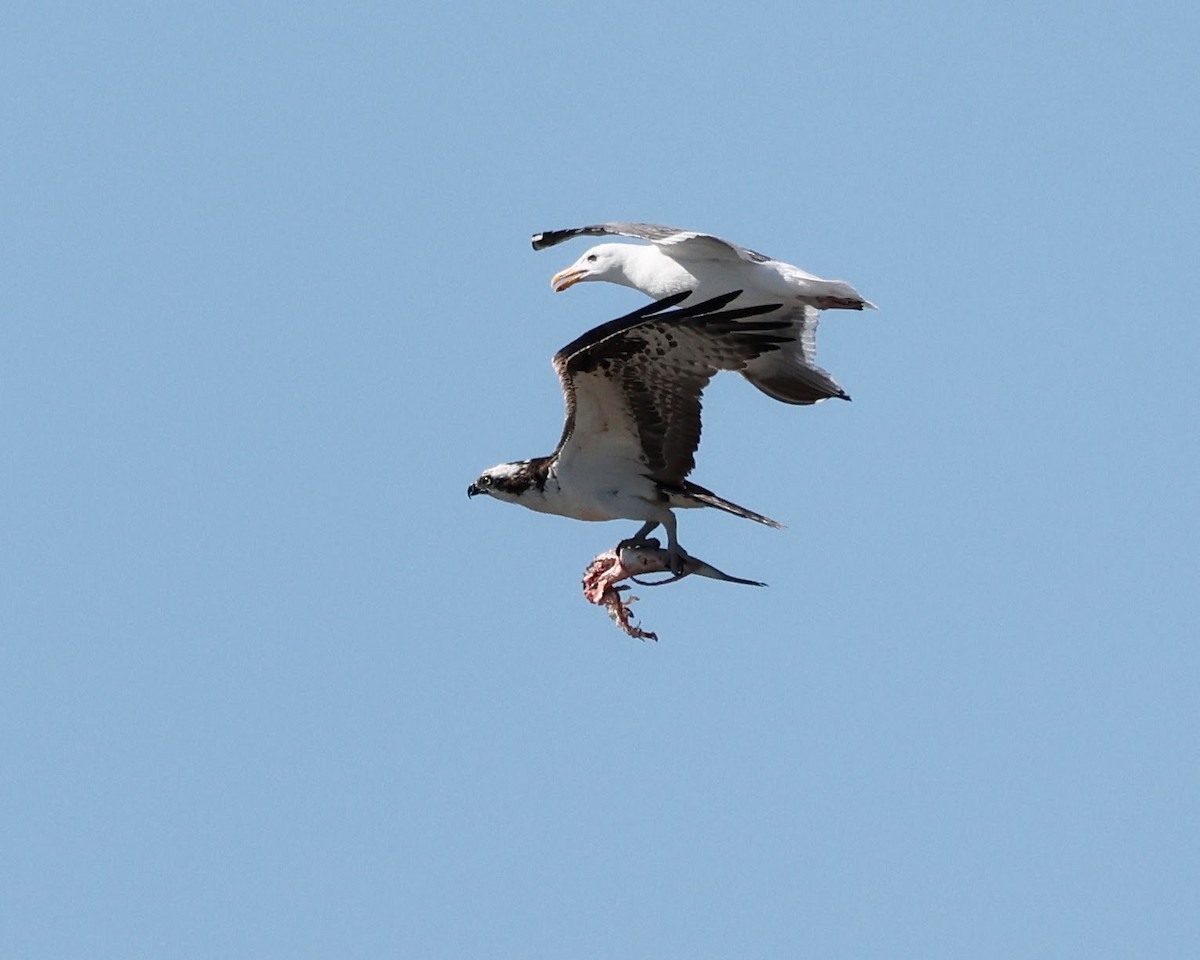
[
  {"x": 632, "y": 389},
  {"x": 677, "y": 260}
]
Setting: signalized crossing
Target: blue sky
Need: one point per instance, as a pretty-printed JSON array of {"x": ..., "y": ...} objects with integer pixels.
[{"x": 272, "y": 687}]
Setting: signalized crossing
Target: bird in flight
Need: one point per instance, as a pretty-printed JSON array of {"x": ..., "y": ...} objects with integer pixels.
[
  {"x": 678, "y": 260},
  {"x": 632, "y": 389}
]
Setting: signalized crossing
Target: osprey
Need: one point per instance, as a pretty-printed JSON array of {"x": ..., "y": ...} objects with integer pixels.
[
  {"x": 632, "y": 389},
  {"x": 679, "y": 260}
]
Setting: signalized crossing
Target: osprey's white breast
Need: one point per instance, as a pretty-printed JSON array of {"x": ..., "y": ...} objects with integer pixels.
[{"x": 604, "y": 488}]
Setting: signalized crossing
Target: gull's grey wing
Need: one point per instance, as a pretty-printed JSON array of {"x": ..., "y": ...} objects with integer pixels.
[
  {"x": 682, "y": 242},
  {"x": 642, "y": 231},
  {"x": 791, "y": 374},
  {"x": 633, "y": 385}
]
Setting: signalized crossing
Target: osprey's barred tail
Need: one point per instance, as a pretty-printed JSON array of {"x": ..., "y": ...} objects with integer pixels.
[{"x": 709, "y": 499}]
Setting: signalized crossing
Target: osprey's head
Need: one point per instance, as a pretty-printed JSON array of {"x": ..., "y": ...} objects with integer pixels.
[
  {"x": 604, "y": 262},
  {"x": 508, "y": 481}
]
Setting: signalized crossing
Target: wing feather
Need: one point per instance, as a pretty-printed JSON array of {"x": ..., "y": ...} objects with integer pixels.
[
  {"x": 680, "y": 244},
  {"x": 633, "y": 386},
  {"x": 791, "y": 374}
]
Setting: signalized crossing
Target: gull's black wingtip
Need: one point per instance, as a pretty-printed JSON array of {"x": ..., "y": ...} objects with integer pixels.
[{"x": 548, "y": 238}]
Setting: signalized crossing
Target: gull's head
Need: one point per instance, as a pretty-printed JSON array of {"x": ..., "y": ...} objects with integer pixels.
[
  {"x": 604, "y": 262},
  {"x": 507, "y": 481}
]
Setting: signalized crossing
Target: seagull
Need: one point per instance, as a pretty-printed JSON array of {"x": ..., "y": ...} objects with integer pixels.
[
  {"x": 677, "y": 260},
  {"x": 632, "y": 390}
]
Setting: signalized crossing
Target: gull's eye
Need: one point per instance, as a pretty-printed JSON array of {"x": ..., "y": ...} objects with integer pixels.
[{"x": 591, "y": 258}]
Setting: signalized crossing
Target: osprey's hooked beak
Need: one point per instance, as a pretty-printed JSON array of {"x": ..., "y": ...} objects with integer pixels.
[
  {"x": 567, "y": 278},
  {"x": 473, "y": 490}
]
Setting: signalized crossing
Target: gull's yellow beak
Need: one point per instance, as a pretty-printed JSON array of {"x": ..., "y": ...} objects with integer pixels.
[{"x": 566, "y": 278}]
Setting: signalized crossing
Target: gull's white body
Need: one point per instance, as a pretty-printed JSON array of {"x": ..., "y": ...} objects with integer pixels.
[{"x": 656, "y": 273}]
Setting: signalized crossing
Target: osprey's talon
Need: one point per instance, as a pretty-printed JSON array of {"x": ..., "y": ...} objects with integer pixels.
[
  {"x": 678, "y": 561},
  {"x": 633, "y": 543}
]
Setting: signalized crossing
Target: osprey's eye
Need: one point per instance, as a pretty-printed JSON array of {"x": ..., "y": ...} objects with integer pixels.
[{"x": 591, "y": 258}]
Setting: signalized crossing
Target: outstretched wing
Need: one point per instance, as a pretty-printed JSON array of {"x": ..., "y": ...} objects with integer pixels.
[
  {"x": 680, "y": 244},
  {"x": 632, "y": 386}
]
